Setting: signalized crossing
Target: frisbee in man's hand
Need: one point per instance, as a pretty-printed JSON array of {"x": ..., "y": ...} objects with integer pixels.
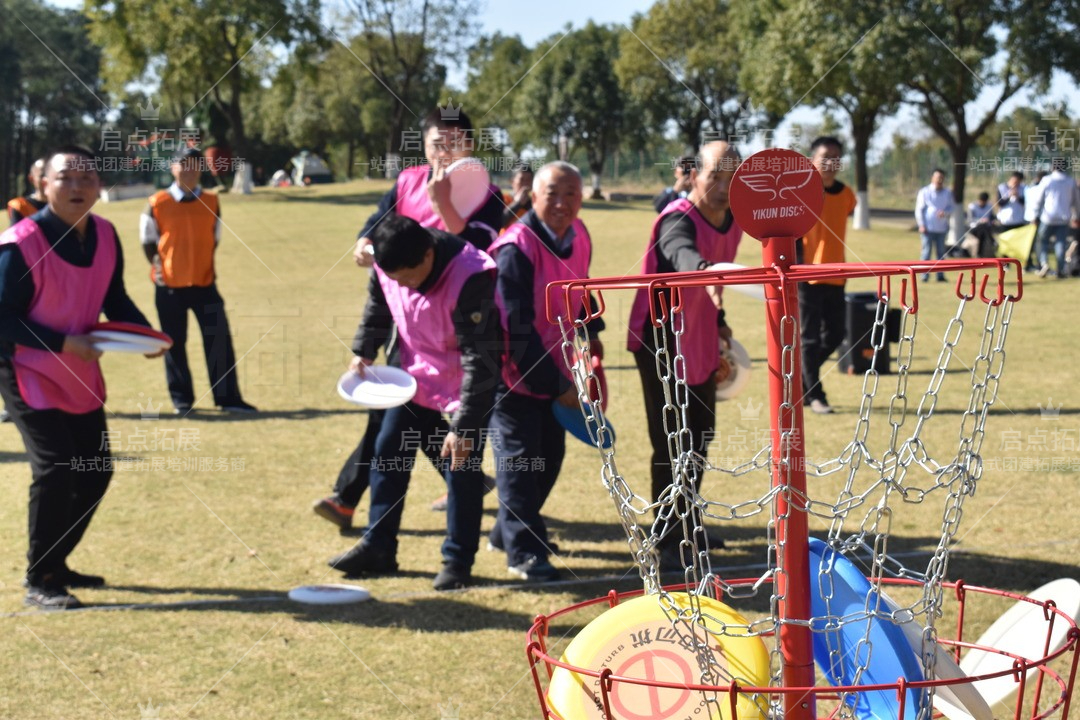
[
  {"x": 380, "y": 387},
  {"x": 469, "y": 185},
  {"x": 129, "y": 338},
  {"x": 739, "y": 362}
]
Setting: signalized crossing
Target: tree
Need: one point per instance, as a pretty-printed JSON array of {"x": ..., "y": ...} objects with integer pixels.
[
  {"x": 844, "y": 57},
  {"x": 688, "y": 78},
  {"x": 205, "y": 51},
  {"x": 573, "y": 97},
  {"x": 961, "y": 50},
  {"x": 336, "y": 100},
  {"x": 403, "y": 42},
  {"x": 497, "y": 65},
  {"x": 42, "y": 102}
]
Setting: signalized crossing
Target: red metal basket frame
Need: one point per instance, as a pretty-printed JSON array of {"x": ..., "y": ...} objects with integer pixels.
[{"x": 780, "y": 276}]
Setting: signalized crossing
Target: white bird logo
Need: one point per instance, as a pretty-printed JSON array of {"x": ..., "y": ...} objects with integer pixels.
[{"x": 782, "y": 184}]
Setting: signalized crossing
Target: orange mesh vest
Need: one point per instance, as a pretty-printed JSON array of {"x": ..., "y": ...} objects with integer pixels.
[
  {"x": 186, "y": 246},
  {"x": 22, "y": 206}
]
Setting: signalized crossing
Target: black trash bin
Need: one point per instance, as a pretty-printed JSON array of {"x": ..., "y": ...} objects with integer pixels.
[{"x": 857, "y": 350}]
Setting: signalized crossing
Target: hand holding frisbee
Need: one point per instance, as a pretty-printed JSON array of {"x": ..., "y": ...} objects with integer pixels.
[
  {"x": 129, "y": 338},
  {"x": 377, "y": 387},
  {"x": 738, "y": 360}
]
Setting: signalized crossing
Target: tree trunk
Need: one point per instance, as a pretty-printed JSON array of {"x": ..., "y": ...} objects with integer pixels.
[
  {"x": 597, "y": 170},
  {"x": 352, "y": 158},
  {"x": 960, "y": 165},
  {"x": 862, "y": 129}
]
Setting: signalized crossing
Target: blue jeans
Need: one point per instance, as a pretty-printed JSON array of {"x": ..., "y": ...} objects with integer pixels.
[
  {"x": 1060, "y": 233},
  {"x": 933, "y": 241},
  {"x": 406, "y": 429},
  {"x": 529, "y": 445}
]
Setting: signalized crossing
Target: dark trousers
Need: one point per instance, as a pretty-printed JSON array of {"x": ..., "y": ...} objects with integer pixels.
[
  {"x": 70, "y": 468},
  {"x": 700, "y": 422},
  {"x": 352, "y": 481},
  {"x": 208, "y": 306},
  {"x": 405, "y": 429},
  {"x": 529, "y": 445},
  {"x": 821, "y": 310}
]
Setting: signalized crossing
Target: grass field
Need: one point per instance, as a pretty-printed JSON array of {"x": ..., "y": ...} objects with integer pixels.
[{"x": 208, "y": 537}]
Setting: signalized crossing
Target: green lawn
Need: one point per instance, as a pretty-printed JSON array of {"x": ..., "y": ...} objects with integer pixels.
[{"x": 207, "y": 541}]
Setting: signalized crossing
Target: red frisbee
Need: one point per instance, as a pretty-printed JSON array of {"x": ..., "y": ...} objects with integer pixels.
[{"x": 776, "y": 193}]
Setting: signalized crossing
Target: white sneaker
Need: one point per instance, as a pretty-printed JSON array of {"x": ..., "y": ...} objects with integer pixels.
[{"x": 820, "y": 407}]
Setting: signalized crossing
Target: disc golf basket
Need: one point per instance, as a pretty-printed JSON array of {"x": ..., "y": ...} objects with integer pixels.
[{"x": 877, "y": 470}]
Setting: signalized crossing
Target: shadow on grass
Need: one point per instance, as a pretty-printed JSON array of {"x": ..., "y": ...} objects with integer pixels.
[
  {"x": 213, "y": 415},
  {"x": 7, "y": 456},
  {"x": 371, "y": 197}
]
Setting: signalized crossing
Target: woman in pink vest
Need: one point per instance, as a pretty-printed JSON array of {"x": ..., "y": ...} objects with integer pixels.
[
  {"x": 438, "y": 293},
  {"x": 59, "y": 270},
  {"x": 548, "y": 244},
  {"x": 422, "y": 193},
  {"x": 690, "y": 234}
]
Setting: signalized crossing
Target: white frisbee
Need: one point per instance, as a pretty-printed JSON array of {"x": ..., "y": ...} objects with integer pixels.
[
  {"x": 469, "y": 185},
  {"x": 1021, "y": 630},
  {"x": 754, "y": 291},
  {"x": 329, "y": 594},
  {"x": 381, "y": 387},
  {"x": 739, "y": 360},
  {"x": 956, "y": 702}
]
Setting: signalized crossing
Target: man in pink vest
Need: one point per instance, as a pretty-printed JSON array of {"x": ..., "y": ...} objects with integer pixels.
[
  {"x": 59, "y": 270},
  {"x": 690, "y": 234},
  {"x": 422, "y": 193},
  {"x": 548, "y": 244},
  {"x": 437, "y": 292}
]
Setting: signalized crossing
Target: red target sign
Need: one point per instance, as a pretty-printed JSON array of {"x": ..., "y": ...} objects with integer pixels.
[{"x": 776, "y": 193}]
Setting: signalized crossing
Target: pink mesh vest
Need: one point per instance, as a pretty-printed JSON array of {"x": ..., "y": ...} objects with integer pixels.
[
  {"x": 67, "y": 299},
  {"x": 700, "y": 341},
  {"x": 547, "y": 268},
  {"x": 425, "y": 326}
]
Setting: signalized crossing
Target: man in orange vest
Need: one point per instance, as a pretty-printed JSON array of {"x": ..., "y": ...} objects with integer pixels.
[
  {"x": 180, "y": 230},
  {"x": 26, "y": 205}
]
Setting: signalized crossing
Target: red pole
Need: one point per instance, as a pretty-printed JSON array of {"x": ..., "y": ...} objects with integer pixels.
[{"x": 793, "y": 579}]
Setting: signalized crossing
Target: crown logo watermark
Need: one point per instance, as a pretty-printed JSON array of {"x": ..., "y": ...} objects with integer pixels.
[
  {"x": 1050, "y": 411},
  {"x": 449, "y": 112},
  {"x": 149, "y": 712},
  {"x": 149, "y": 411},
  {"x": 449, "y": 711},
  {"x": 748, "y": 411},
  {"x": 149, "y": 112}
]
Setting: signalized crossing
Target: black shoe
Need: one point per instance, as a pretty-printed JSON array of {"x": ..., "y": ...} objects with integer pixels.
[
  {"x": 239, "y": 408},
  {"x": 453, "y": 576},
  {"x": 51, "y": 597},
  {"x": 535, "y": 569},
  {"x": 362, "y": 559},
  {"x": 182, "y": 408}
]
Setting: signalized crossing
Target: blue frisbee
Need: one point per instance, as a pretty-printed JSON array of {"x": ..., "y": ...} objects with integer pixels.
[
  {"x": 573, "y": 421},
  {"x": 840, "y": 651}
]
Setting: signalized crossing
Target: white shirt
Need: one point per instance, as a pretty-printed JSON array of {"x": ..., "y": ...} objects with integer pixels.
[
  {"x": 927, "y": 206},
  {"x": 1059, "y": 199}
]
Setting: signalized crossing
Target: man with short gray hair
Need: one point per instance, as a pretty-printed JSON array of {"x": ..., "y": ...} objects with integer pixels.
[{"x": 549, "y": 244}]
